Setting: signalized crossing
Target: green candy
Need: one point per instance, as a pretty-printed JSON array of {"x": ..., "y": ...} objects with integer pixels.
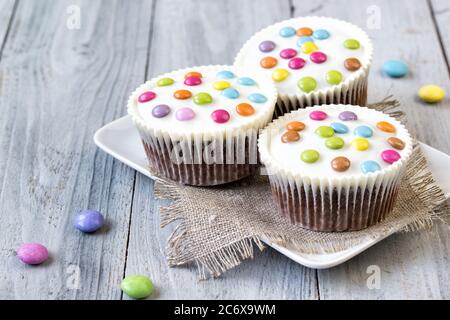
[
  {"x": 137, "y": 286},
  {"x": 334, "y": 143},
  {"x": 203, "y": 98},
  {"x": 165, "y": 82},
  {"x": 307, "y": 84},
  {"x": 334, "y": 77},
  {"x": 351, "y": 44},
  {"x": 325, "y": 131},
  {"x": 310, "y": 156}
]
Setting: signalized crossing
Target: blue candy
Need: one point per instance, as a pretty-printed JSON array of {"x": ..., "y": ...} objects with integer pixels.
[
  {"x": 395, "y": 68},
  {"x": 230, "y": 93},
  {"x": 339, "y": 127},
  {"x": 257, "y": 98},
  {"x": 225, "y": 74},
  {"x": 287, "y": 32},
  {"x": 89, "y": 221},
  {"x": 370, "y": 166},
  {"x": 245, "y": 81},
  {"x": 321, "y": 34},
  {"x": 304, "y": 39},
  {"x": 363, "y": 131}
]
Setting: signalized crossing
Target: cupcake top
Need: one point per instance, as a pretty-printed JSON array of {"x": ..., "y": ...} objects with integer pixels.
[
  {"x": 310, "y": 54},
  {"x": 203, "y": 100},
  {"x": 334, "y": 141}
]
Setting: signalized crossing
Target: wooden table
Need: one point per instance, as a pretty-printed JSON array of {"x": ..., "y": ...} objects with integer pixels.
[{"x": 58, "y": 85}]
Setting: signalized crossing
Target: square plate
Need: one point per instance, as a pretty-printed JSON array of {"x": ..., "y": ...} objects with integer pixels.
[{"x": 121, "y": 140}]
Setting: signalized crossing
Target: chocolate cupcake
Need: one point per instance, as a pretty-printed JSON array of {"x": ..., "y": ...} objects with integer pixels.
[
  {"x": 199, "y": 126},
  {"x": 313, "y": 60},
  {"x": 335, "y": 167}
]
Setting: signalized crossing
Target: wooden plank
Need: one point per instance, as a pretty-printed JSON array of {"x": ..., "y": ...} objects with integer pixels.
[
  {"x": 207, "y": 32},
  {"x": 413, "y": 265},
  {"x": 441, "y": 12},
  {"x": 6, "y": 13},
  {"x": 59, "y": 86}
]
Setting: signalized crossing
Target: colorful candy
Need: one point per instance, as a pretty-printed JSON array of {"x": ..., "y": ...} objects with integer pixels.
[
  {"x": 307, "y": 84},
  {"x": 245, "y": 109},
  {"x": 32, "y": 253},
  {"x": 230, "y": 93},
  {"x": 302, "y": 40},
  {"x": 334, "y": 143},
  {"x": 280, "y": 74},
  {"x": 193, "y": 74},
  {"x": 321, "y": 34},
  {"x": 363, "y": 131},
  {"x": 165, "y": 82},
  {"x": 305, "y": 31},
  {"x": 184, "y": 114},
  {"x": 137, "y": 286},
  {"x": 360, "y": 144},
  {"x": 348, "y": 116},
  {"x": 325, "y": 131},
  {"x": 333, "y": 77},
  {"x": 221, "y": 85},
  {"x": 246, "y": 81},
  {"x": 220, "y": 116},
  {"x": 352, "y": 44},
  {"x": 290, "y": 136},
  {"x": 385, "y": 126},
  {"x": 267, "y": 46},
  {"x": 318, "y": 115},
  {"x": 352, "y": 64},
  {"x": 225, "y": 74},
  {"x": 396, "y": 143},
  {"x": 339, "y": 127},
  {"x": 192, "y": 81},
  {"x": 340, "y": 164},
  {"x": 390, "y": 156},
  {"x": 182, "y": 94},
  {"x": 268, "y": 62},
  {"x": 370, "y": 166},
  {"x": 257, "y": 98},
  {"x": 395, "y": 68},
  {"x": 288, "y": 53},
  {"x": 310, "y": 156},
  {"x": 146, "y": 96},
  {"x": 309, "y": 47},
  {"x": 202, "y": 98},
  {"x": 295, "y": 126},
  {"x": 318, "y": 57},
  {"x": 296, "y": 63},
  {"x": 90, "y": 220},
  {"x": 431, "y": 93},
  {"x": 287, "y": 32}
]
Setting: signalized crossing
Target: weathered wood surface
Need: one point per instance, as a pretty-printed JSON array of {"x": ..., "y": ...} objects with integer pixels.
[
  {"x": 441, "y": 14},
  {"x": 59, "y": 85}
]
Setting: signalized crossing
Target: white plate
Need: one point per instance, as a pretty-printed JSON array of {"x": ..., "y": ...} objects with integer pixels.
[{"x": 121, "y": 140}]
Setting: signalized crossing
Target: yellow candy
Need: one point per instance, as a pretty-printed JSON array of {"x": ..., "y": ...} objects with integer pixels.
[
  {"x": 431, "y": 93},
  {"x": 280, "y": 74},
  {"x": 220, "y": 85},
  {"x": 360, "y": 144},
  {"x": 309, "y": 47}
]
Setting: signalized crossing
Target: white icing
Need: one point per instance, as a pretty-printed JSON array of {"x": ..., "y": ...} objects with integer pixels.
[
  {"x": 249, "y": 57},
  {"x": 202, "y": 122},
  {"x": 287, "y": 155}
]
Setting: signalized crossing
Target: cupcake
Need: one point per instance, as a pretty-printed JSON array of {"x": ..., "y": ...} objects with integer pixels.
[
  {"x": 199, "y": 126},
  {"x": 335, "y": 167},
  {"x": 313, "y": 60}
]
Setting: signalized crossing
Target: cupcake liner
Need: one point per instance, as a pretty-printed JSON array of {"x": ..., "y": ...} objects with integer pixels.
[
  {"x": 201, "y": 158},
  {"x": 328, "y": 204}
]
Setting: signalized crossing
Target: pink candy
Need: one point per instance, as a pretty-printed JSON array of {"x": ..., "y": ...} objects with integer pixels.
[
  {"x": 32, "y": 253},
  {"x": 220, "y": 116},
  {"x": 146, "y": 96},
  {"x": 318, "y": 115},
  {"x": 296, "y": 63},
  {"x": 192, "y": 81},
  {"x": 185, "y": 114},
  {"x": 390, "y": 156},
  {"x": 318, "y": 57},
  {"x": 288, "y": 53}
]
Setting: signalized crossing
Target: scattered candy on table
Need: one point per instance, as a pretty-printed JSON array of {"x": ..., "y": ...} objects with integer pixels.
[
  {"x": 340, "y": 164},
  {"x": 290, "y": 136},
  {"x": 395, "y": 68},
  {"x": 32, "y": 253},
  {"x": 137, "y": 286},
  {"x": 431, "y": 93},
  {"x": 89, "y": 220},
  {"x": 310, "y": 156}
]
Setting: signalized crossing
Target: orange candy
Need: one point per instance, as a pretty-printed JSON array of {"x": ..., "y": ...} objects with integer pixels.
[
  {"x": 182, "y": 94},
  {"x": 268, "y": 62},
  {"x": 245, "y": 109},
  {"x": 385, "y": 126},
  {"x": 305, "y": 31},
  {"x": 193, "y": 74},
  {"x": 295, "y": 126}
]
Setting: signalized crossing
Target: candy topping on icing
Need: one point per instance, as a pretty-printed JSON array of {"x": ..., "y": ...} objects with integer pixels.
[
  {"x": 390, "y": 156},
  {"x": 334, "y": 143},
  {"x": 318, "y": 115},
  {"x": 318, "y": 57},
  {"x": 370, "y": 166},
  {"x": 352, "y": 44},
  {"x": 246, "y": 81},
  {"x": 287, "y": 32},
  {"x": 165, "y": 82},
  {"x": 307, "y": 84},
  {"x": 296, "y": 63},
  {"x": 268, "y": 62},
  {"x": 203, "y": 98},
  {"x": 396, "y": 143},
  {"x": 192, "y": 81},
  {"x": 339, "y": 127},
  {"x": 184, "y": 114},
  {"x": 221, "y": 85},
  {"x": 333, "y": 77},
  {"x": 363, "y": 131},
  {"x": 230, "y": 93},
  {"x": 290, "y": 136},
  {"x": 245, "y": 109},
  {"x": 220, "y": 116},
  {"x": 310, "y": 156},
  {"x": 302, "y": 40},
  {"x": 352, "y": 64},
  {"x": 385, "y": 126},
  {"x": 360, "y": 144},
  {"x": 280, "y": 74},
  {"x": 288, "y": 53},
  {"x": 295, "y": 126},
  {"x": 160, "y": 111},
  {"x": 146, "y": 96},
  {"x": 308, "y": 47},
  {"x": 305, "y": 31},
  {"x": 225, "y": 74},
  {"x": 257, "y": 98},
  {"x": 321, "y": 34},
  {"x": 348, "y": 116},
  {"x": 325, "y": 131},
  {"x": 182, "y": 94},
  {"x": 340, "y": 164},
  {"x": 267, "y": 46},
  {"x": 193, "y": 74}
]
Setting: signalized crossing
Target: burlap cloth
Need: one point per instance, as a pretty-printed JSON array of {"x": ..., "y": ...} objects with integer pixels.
[{"x": 218, "y": 227}]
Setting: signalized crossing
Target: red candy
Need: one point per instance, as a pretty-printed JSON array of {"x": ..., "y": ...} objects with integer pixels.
[
  {"x": 318, "y": 57},
  {"x": 318, "y": 115},
  {"x": 390, "y": 156},
  {"x": 288, "y": 53},
  {"x": 296, "y": 63},
  {"x": 220, "y": 116},
  {"x": 192, "y": 81},
  {"x": 146, "y": 96}
]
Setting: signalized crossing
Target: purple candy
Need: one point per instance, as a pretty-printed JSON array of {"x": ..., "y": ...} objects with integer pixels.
[
  {"x": 184, "y": 114},
  {"x": 318, "y": 57},
  {"x": 296, "y": 63},
  {"x": 146, "y": 96},
  {"x": 288, "y": 53},
  {"x": 348, "y": 116},
  {"x": 267, "y": 46},
  {"x": 318, "y": 115},
  {"x": 161, "y": 110},
  {"x": 32, "y": 253},
  {"x": 89, "y": 221}
]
